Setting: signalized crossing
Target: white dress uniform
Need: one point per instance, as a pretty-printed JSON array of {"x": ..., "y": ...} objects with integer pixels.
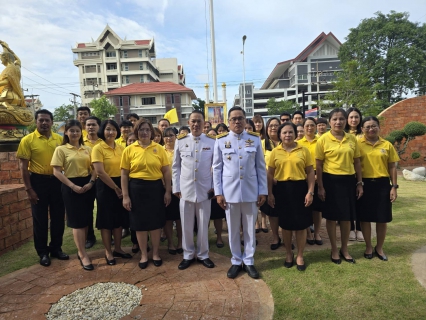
[
  {"x": 192, "y": 177},
  {"x": 239, "y": 175}
]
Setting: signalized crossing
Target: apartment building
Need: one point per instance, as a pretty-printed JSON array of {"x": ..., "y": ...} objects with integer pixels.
[
  {"x": 312, "y": 71},
  {"x": 110, "y": 62},
  {"x": 152, "y": 100}
]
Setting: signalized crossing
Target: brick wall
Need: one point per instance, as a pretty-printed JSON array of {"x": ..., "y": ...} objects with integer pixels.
[
  {"x": 9, "y": 168},
  {"x": 397, "y": 116},
  {"x": 16, "y": 223}
]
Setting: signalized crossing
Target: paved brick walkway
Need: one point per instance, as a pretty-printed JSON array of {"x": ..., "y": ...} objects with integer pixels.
[{"x": 194, "y": 293}]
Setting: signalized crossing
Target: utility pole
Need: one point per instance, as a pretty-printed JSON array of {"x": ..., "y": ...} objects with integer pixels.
[
  {"x": 213, "y": 52},
  {"x": 74, "y": 103},
  {"x": 93, "y": 91},
  {"x": 32, "y": 100}
]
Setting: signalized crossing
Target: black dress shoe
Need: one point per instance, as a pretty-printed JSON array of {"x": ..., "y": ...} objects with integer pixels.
[
  {"x": 219, "y": 245},
  {"x": 381, "y": 257},
  {"x": 88, "y": 267},
  {"x": 143, "y": 265},
  {"x": 135, "y": 250},
  {"x": 301, "y": 267},
  {"x": 162, "y": 239},
  {"x": 257, "y": 230},
  {"x": 157, "y": 263},
  {"x": 110, "y": 262},
  {"x": 275, "y": 246},
  {"x": 310, "y": 241},
  {"x": 265, "y": 230},
  {"x": 172, "y": 251},
  {"x": 336, "y": 261},
  {"x": 60, "y": 255},
  {"x": 251, "y": 271},
  {"x": 179, "y": 250},
  {"x": 90, "y": 243},
  {"x": 122, "y": 255},
  {"x": 318, "y": 242},
  {"x": 45, "y": 260},
  {"x": 185, "y": 264},
  {"x": 289, "y": 264},
  {"x": 368, "y": 255},
  {"x": 233, "y": 271},
  {"x": 206, "y": 262},
  {"x": 351, "y": 260}
]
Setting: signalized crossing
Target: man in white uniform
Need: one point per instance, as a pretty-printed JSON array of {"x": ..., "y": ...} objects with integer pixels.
[
  {"x": 192, "y": 183},
  {"x": 239, "y": 176}
]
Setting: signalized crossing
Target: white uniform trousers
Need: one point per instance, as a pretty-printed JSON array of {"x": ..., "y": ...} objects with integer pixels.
[
  {"x": 188, "y": 211},
  {"x": 244, "y": 213}
]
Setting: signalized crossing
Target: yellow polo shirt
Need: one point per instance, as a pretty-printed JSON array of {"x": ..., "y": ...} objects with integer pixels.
[
  {"x": 290, "y": 165},
  {"x": 170, "y": 155},
  {"x": 338, "y": 156},
  {"x": 36, "y": 148},
  {"x": 90, "y": 144},
  {"x": 267, "y": 153},
  {"x": 310, "y": 146},
  {"x": 144, "y": 163},
  {"x": 84, "y": 133},
  {"x": 111, "y": 158},
  {"x": 375, "y": 159},
  {"x": 121, "y": 141},
  {"x": 74, "y": 162},
  {"x": 357, "y": 135}
]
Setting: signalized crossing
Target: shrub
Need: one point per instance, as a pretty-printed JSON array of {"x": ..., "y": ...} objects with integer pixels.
[{"x": 415, "y": 155}]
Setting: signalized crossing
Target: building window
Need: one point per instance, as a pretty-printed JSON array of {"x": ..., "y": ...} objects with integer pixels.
[
  {"x": 112, "y": 79},
  {"x": 126, "y": 79},
  {"x": 146, "y": 53},
  {"x": 126, "y": 67},
  {"x": 140, "y": 65},
  {"x": 99, "y": 69},
  {"x": 150, "y": 100},
  {"x": 110, "y": 54},
  {"x": 141, "y": 79},
  {"x": 140, "y": 53},
  {"x": 84, "y": 82},
  {"x": 100, "y": 82},
  {"x": 111, "y": 66},
  {"x": 125, "y": 54}
]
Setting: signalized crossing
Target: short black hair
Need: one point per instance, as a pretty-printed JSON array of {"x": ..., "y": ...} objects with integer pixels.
[
  {"x": 298, "y": 112},
  {"x": 310, "y": 118},
  {"x": 168, "y": 131},
  {"x": 43, "y": 111},
  {"x": 126, "y": 123},
  {"x": 69, "y": 124},
  {"x": 134, "y": 115},
  {"x": 101, "y": 131},
  {"x": 222, "y": 125},
  {"x": 163, "y": 119},
  {"x": 211, "y": 125},
  {"x": 322, "y": 120},
  {"x": 288, "y": 123},
  {"x": 98, "y": 121},
  {"x": 236, "y": 109},
  {"x": 337, "y": 110},
  {"x": 84, "y": 109},
  {"x": 285, "y": 114},
  {"x": 184, "y": 128},
  {"x": 199, "y": 112},
  {"x": 370, "y": 118}
]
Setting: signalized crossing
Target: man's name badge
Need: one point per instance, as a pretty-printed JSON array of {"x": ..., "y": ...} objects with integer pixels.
[
  {"x": 227, "y": 144},
  {"x": 249, "y": 143}
]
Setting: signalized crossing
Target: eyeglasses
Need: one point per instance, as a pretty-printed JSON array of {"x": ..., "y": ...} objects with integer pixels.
[
  {"x": 373, "y": 127},
  {"x": 144, "y": 130},
  {"x": 285, "y": 119},
  {"x": 273, "y": 126},
  {"x": 235, "y": 119}
]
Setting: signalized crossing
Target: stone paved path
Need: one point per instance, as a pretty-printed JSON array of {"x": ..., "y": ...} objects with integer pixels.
[
  {"x": 194, "y": 293},
  {"x": 418, "y": 265}
]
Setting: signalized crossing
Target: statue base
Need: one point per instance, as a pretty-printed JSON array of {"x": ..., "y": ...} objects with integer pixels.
[{"x": 9, "y": 146}]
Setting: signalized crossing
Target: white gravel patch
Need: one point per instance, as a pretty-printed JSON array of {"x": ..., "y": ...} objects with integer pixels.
[{"x": 108, "y": 300}]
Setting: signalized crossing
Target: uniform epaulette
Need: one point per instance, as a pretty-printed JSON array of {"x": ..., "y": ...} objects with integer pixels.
[
  {"x": 257, "y": 134},
  {"x": 181, "y": 136},
  {"x": 222, "y": 135},
  {"x": 210, "y": 136}
]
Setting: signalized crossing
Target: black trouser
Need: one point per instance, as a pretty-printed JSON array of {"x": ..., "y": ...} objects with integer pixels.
[
  {"x": 48, "y": 190},
  {"x": 90, "y": 231}
]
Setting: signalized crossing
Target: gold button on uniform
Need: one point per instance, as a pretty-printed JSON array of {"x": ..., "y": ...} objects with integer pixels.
[
  {"x": 241, "y": 177},
  {"x": 196, "y": 170},
  {"x": 196, "y": 150},
  {"x": 239, "y": 147},
  {"x": 241, "y": 167},
  {"x": 196, "y": 160},
  {"x": 195, "y": 179},
  {"x": 241, "y": 157}
]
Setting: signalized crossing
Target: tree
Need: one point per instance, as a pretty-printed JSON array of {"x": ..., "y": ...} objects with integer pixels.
[
  {"x": 102, "y": 108},
  {"x": 198, "y": 104},
  {"x": 277, "y": 107},
  {"x": 401, "y": 138},
  {"x": 352, "y": 88},
  {"x": 63, "y": 113},
  {"x": 392, "y": 52}
]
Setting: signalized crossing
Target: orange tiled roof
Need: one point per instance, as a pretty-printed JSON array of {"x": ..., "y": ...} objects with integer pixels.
[
  {"x": 151, "y": 87},
  {"x": 142, "y": 42}
]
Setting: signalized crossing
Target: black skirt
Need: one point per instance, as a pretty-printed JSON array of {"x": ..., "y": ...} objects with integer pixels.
[
  {"x": 148, "y": 209},
  {"x": 111, "y": 212},
  {"x": 375, "y": 205},
  {"x": 267, "y": 209},
  {"x": 290, "y": 205},
  {"x": 317, "y": 204},
  {"x": 172, "y": 210},
  {"x": 79, "y": 207},
  {"x": 216, "y": 211},
  {"x": 340, "y": 197}
]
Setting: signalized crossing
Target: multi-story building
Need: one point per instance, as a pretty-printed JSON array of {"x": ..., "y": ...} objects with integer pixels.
[
  {"x": 152, "y": 100},
  {"x": 110, "y": 62},
  {"x": 311, "y": 72}
]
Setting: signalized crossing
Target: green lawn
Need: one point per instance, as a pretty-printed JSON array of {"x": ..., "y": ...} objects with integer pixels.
[{"x": 370, "y": 289}]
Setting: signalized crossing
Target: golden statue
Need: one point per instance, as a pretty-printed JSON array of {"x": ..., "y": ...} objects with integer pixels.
[{"x": 14, "y": 113}]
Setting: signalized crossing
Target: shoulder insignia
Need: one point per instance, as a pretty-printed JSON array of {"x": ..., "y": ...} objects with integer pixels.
[
  {"x": 210, "y": 136},
  {"x": 257, "y": 134},
  {"x": 222, "y": 135},
  {"x": 182, "y": 135}
]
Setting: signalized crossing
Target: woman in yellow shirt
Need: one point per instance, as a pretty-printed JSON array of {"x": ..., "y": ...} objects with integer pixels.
[
  {"x": 73, "y": 158},
  {"x": 172, "y": 210},
  {"x": 144, "y": 167},
  {"x": 310, "y": 141},
  {"x": 337, "y": 161},
  {"x": 378, "y": 161},
  {"x": 106, "y": 158},
  {"x": 291, "y": 166},
  {"x": 271, "y": 141}
]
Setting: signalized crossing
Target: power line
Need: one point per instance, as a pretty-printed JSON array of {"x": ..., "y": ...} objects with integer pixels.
[{"x": 43, "y": 78}]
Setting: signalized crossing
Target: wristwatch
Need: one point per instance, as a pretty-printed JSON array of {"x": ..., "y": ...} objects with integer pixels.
[
  {"x": 360, "y": 183},
  {"x": 395, "y": 186},
  {"x": 92, "y": 181},
  {"x": 311, "y": 193}
]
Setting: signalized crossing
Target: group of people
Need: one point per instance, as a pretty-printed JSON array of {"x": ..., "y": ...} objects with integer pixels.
[{"x": 146, "y": 180}]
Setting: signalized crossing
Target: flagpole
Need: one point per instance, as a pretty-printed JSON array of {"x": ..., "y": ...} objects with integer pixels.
[{"x": 213, "y": 52}]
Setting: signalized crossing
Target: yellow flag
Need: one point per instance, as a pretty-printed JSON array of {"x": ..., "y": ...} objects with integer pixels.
[{"x": 172, "y": 116}]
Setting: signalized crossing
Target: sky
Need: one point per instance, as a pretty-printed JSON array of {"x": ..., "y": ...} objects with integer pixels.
[{"x": 42, "y": 34}]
